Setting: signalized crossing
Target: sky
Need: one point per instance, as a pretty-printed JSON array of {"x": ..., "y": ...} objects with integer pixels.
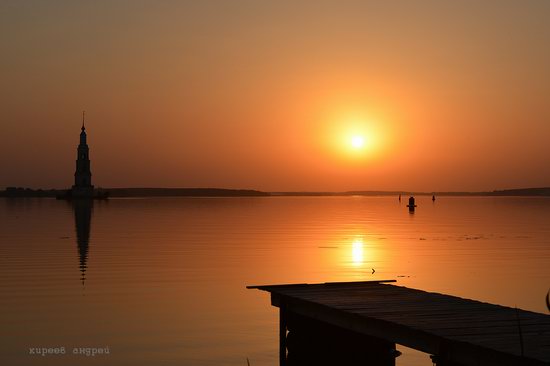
[{"x": 277, "y": 95}]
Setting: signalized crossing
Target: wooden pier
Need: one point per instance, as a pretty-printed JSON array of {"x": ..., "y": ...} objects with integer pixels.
[{"x": 348, "y": 321}]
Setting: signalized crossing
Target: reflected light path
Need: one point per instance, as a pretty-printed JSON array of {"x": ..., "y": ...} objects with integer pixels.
[{"x": 357, "y": 258}]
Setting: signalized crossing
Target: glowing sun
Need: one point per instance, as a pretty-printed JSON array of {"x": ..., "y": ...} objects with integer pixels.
[{"x": 357, "y": 141}]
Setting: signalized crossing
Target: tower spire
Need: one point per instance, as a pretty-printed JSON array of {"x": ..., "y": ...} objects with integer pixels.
[{"x": 83, "y": 117}]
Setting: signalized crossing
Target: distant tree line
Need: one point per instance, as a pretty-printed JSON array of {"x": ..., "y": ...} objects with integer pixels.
[{"x": 28, "y": 192}]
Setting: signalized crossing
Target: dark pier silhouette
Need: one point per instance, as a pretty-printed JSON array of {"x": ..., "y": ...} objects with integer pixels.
[{"x": 359, "y": 323}]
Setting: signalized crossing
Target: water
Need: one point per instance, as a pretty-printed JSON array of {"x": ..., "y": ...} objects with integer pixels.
[{"x": 161, "y": 281}]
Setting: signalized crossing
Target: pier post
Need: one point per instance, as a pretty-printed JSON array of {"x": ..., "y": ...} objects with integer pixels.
[
  {"x": 440, "y": 361},
  {"x": 441, "y": 358},
  {"x": 282, "y": 335},
  {"x": 313, "y": 342}
]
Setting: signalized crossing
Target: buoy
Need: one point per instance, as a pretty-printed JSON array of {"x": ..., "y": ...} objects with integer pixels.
[{"x": 411, "y": 204}]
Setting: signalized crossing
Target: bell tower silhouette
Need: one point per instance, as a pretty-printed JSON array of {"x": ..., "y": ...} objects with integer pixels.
[{"x": 82, "y": 175}]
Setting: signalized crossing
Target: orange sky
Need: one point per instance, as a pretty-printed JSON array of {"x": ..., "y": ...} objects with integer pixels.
[{"x": 267, "y": 95}]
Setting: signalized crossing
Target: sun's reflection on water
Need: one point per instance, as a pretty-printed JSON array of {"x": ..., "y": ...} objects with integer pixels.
[{"x": 357, "y": 252}]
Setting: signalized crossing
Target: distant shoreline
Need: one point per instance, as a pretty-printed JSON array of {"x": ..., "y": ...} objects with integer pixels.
[
  {"x": 141, "y": 192},
  {"x": 507, "y": 192},
  {"x": 15, "y": 192}
]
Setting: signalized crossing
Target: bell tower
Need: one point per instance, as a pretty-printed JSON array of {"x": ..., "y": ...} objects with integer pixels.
[{"x": 82, "y": 174}]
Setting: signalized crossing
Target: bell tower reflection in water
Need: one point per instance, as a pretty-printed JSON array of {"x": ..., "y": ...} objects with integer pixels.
[{"x": 82, "y": 210}]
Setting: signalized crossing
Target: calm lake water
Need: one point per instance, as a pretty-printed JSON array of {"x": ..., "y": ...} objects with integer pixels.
[{"x": 161, "y": 281}]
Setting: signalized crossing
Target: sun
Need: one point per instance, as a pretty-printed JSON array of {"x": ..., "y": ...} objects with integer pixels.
[
  {"x": 357, "y": 141},
  {"x": 355, "y": 138}
]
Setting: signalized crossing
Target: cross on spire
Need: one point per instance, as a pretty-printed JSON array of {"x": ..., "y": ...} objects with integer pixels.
[{"x": 83, "y": 117}]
